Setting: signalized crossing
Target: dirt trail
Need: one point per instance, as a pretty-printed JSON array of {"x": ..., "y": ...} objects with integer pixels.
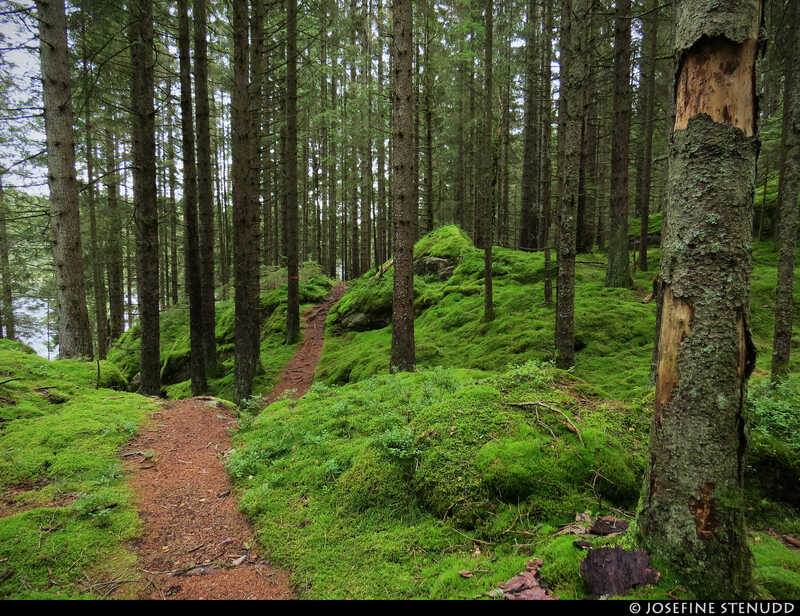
[
  {"x": 299, "y": 373},
  {"x": 196, "y": 544}
]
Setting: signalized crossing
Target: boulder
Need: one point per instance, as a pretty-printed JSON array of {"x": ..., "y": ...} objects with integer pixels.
[{"x": 434, "y": 266}]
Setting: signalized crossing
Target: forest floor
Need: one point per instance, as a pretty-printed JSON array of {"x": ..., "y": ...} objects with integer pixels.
[
  {"x": 196, "y": 543},
  {"x": 298, "y": 375}
]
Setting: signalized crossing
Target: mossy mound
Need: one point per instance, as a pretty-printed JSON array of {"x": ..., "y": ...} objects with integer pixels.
[
  {"x": 448, "y": 242},
  {"x": 367, "y": 305},
  {"x": 400, "y": 477},
  {"x": 614, "y": 328},
  {"x": 68, "y": 510}
]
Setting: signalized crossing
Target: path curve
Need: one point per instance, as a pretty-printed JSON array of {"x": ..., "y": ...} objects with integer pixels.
[
  {"x": 299, "y": 372},
  {"x": 196, "y": 543}
]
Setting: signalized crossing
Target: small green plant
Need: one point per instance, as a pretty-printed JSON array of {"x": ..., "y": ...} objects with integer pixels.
[{"x": 400, "y": 444}]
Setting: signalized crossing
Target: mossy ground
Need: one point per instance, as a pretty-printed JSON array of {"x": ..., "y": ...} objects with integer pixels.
[
  {"x": 174, "y": 322},
  {"x": 614, "y": 329},
  {"x": 377, "y": 485},
  {"x": 389, "y": 487},
  {"x": 59, "y": 443}
]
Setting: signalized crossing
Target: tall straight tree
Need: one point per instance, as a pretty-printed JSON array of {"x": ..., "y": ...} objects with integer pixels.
[
  {"x": 192, "y": 276},
  {"x": 293, "y": 300},
  {"x": 787, "y": 229},
  {"x": 488, "y": 168},
  {"x": 144, "y": 190},
  {"x": 404, "y": 206},
  {"x": 74, "y": 334},
  {"x": 116, "y": 296},
  {"x": 5, "y": 271},
  {"x": 247, "y": 326},
  {"x": 644, "y": 173},
  {"x": 618, "y": 273},
  {"x": 205, "y": 197},
  {"x": 570, "y": 102},
  {"x": 547, "y": 105},
  {"x": 527, "y": 225},
  {"x": 692, "y": 513}
]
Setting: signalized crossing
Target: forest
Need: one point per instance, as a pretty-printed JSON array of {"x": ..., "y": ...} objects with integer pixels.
[{"x": 394, "y": 299}]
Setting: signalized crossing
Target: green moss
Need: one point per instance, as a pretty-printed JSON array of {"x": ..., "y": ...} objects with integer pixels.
[
  {"x": 392, "y": 477},
  {"x": 59, "y": 461},
  {"x": 448, "y": 242},
  {"x": 175, "y": 349},
  {"x": 777, "y": 567},
  {"x": 373, "y": 480}
]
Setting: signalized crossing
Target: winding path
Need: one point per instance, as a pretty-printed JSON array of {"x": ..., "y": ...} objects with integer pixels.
[{"x": 196, "y": 544}]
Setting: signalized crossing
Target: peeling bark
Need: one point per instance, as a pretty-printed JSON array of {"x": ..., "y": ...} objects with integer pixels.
[{"x": 692, "y": 514}]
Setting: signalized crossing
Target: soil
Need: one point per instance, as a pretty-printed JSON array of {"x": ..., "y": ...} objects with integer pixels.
[
  {"x": 196, "y": 543},
  {"x": 22, "y": 497},
  {"x": 297, "y": 377}
]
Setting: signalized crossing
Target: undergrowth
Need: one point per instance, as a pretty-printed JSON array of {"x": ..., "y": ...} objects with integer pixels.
[
  {"x": 394, "y": 486},
  {"x": 377, "y": 485},
  {"x": 66, "y": 510}
]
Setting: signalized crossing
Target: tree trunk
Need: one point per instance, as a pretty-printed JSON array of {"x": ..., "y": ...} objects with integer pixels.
[
  {"x": 787, "y": 227},
  {"x": 618, "y": 273},
  {"x": 193, "y": 273},
  {"x": 293, "y": 301},
  {"x": 489, "y": 170},
  {"x": 74, "y": 333},
  {"x": 692, "y": 512},
  {"x": 571, "y": 114},
  {"x": 8, "y": 306},
  {"x": 205, "y": 197},
  {"x": 115, "y": 292},
  {"x": 403, "y": 189},
  {"x": 547, "y": 107},
  {"x": 648, "y": 118},
  {"x": 247, "y": 334},
  {"x": 528, "y": 233},
  {"x": 98, "y": 279}
]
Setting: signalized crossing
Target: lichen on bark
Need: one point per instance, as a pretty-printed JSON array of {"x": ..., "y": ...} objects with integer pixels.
[{"x": 690, "y": 516}]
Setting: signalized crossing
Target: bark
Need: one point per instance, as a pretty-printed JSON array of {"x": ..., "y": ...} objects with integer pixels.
[
  {"x": 115, "y": 292},
  {"x": 205, "y": 197},
  {"x": 293, "y": 301},
  {"x": 173, "y": 213},
  {"x": 649, "y": 78},
  {"x": 144, "y": 192},
  {"x": 74, "y": 333},
  {"x": 692, "y": 511},
  {"x": 380, "y": 240},
  {"x": 247, "y": 334},
  {"x": 428, "y": 119},
  {"x": 192, "y": 276},
  {"x": 332, "y": 272},
  {"x": 98, "y": 279},
  {"x": 786, "y": 235},
  {"x": 403, "y": 189},
  {"x": 366, "y": 146},
  {"x": 618, "y": 273},
  {"x": 489, "y": 170},
  {"x": 547, "y": 106},
  {"x": 528, "y": 233},
  {"x": 5, "y": 271},
  {"x": 571, "y": 113},
  {"x": 584, "y": 233}
]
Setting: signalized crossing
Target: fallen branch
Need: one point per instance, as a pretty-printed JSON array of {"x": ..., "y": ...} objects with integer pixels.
[
  {"x": 570, "y": 426},
  {"x": 383, "y": 269},
  {"x": 9, "y": 380}
]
